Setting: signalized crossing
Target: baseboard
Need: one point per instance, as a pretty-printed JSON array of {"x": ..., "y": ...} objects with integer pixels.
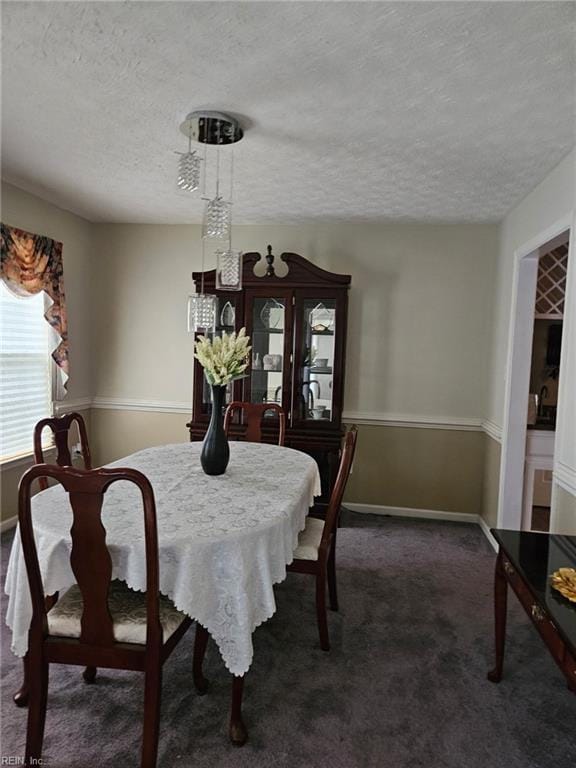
[
  {"x": 485, "y": 528},
  {"x": 426, "y": 514},
  {"x": 6, "y": 525}
]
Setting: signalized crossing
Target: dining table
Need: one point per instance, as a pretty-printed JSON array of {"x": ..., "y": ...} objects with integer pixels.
[{"x": 223, "y": 542}]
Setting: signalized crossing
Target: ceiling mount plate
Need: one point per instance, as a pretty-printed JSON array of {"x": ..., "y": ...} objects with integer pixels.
[{"x": 212, "y": 128}]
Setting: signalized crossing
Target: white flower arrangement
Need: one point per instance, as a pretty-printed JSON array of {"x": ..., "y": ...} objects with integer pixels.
[{"x": 224, "y": 358}]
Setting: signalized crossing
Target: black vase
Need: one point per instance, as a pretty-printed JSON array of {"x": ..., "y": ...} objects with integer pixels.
[{"x": 215, "y": 449}]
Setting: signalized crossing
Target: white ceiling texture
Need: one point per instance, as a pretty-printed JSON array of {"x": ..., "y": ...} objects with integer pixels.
[{"x": 365, "y": 110}]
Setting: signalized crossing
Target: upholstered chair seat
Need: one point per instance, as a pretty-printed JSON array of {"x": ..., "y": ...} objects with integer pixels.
[
  {"x": 309, "y": 540},
  {"x": 127, "y": 608}
]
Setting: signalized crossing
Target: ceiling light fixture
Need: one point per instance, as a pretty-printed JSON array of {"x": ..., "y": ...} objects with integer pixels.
[{"x": 217, "y": 131}]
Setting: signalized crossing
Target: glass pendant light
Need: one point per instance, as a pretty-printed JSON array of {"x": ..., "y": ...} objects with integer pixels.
[
  {"x": 201, "y": 313},
  {"x": 229, "y": 262},
  {"x": 228, "y": 270},
  {"x": 188, "y": 172},
  {"x": 218, "y": 212},
  {"x": 188, "y": 179},
  {"x": 202, "y": 308},
  {"x": 217, "y": 219}
]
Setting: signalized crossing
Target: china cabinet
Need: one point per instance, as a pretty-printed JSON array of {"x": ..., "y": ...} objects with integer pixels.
[{"x": 297, "y": 324}]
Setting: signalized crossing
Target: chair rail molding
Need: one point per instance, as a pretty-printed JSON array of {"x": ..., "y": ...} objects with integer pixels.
[
  {"x": 371, "y": 418},
  {"x": 79, "y": 404},
  {"x": 362, "y": 418},
  {"x": 492, "y": 429},
  {"x": 368, "y": 418},
  {"x": 134, "y": 404},
  {"x": 565, "y": 476}
]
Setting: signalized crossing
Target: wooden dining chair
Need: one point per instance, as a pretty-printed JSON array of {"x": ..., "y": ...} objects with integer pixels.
[
  {"x": 60, "y": 426},
  {"x": 254, "y": 413},
  {"x": 98, "y": 622},
  {"x": 316, "y": 550}
]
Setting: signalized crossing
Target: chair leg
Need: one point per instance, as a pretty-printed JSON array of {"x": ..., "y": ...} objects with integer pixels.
[
  {"x": 152, "y": 698},
  {"x": 321, "y": 609},
  {"x": 38, "y": 698},
  {"x": 200, "y": 642},
  {"x": 23, "y": 693},
  {"x": 332, "y": 591},
  {"x": 237, "y": 730},
  {"x": 89, "y": 675}
]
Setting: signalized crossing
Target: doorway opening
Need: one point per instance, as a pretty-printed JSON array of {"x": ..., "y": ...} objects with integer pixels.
[
  {"x": 544, "y": 377},
  {"x": 534, "y": 370}
]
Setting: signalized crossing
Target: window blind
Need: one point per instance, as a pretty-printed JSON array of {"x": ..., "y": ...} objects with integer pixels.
[{"x": 25, "y": 371}]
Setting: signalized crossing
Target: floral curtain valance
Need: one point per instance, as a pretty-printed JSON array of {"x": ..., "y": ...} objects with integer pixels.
[{"x": 31, "y": 264}]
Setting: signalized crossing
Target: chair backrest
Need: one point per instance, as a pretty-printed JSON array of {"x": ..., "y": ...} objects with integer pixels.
[
  {"x": 90, "y": 559},
  {"x": 60, "y": 426},
  {"x": 254, "y": 412},
  {"x": 335, "y": 502}
]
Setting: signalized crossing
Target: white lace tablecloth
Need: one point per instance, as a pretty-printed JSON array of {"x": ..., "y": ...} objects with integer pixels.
[{"x": 223, "y": 541}]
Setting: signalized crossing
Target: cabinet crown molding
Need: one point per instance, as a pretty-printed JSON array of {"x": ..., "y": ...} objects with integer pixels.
[{"x": 301, "y": 272}]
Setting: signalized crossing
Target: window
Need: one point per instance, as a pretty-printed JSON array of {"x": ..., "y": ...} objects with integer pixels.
[{"x": 25, "y": 373}]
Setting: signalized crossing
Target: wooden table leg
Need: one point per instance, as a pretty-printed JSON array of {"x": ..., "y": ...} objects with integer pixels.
[
  {"x": 500, "y": 600},
  {"x": 200, "y": 642},
  {"x": 21, "y": 695},
  {"x": 237, "y": 731}
]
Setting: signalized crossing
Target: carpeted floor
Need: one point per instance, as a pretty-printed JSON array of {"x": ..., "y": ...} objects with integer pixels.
[{"x": 404, "y": 685}]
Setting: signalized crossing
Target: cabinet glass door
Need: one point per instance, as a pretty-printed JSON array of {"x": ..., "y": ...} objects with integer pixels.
[
  {"x": 314, "y": 399},
  {"x": 268, "y": 350}
]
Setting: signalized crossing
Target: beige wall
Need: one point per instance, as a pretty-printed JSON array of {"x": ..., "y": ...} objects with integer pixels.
[
  {"x": 417, "y": 344},
  {"x": 9, "y": 479},
  {"x": 118, "y": 433},
  {"x": 564, "y": 511},
  {"x": 418, "y": 468},
  {"x": 20, "y": 209},
  {"x": 490, "y": 481},
  {"x": 419, "y": 309}
]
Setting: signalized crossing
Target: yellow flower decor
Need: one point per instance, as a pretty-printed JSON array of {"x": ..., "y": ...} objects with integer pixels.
[
  {"x": 224, "y": 358},
  {"x": 564, "y": 580}
]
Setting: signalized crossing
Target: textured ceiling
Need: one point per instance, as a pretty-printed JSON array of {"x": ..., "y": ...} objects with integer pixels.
[{"x": 384, "y": 111}]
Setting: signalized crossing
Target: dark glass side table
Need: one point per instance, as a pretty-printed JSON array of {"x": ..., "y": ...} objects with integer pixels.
[{"x": 525, "y": 562}]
